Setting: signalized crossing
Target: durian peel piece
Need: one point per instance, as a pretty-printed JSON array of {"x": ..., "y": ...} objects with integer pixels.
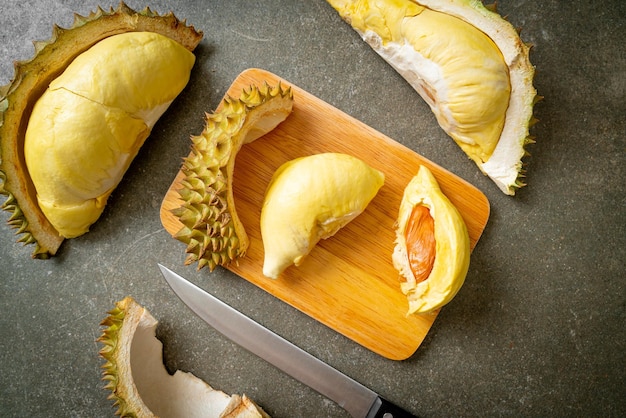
[
  {"x": 32, "y": 78},
  {"x": 140, "y": 384},
  {"x": 310, "y": 199},
  {"x": 452, "y": 246},
  {"x": 468, "y": 64},
  {"x": 211, "y": 228}
]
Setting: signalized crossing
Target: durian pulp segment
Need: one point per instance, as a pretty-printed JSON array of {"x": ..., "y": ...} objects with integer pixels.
[
  {"x": 467, "y": 63},
  {"x": 309, "y": 199},
  {"x": 88, "y": 126},
  {"x": 211, "y": 228},
  {"x": 141, "y": 385},
  {"x": 452, "y": 254}
]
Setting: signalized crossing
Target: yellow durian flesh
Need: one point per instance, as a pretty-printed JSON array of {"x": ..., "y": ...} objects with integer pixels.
[
  {"x": 140, "y": 384},
  {"x": 467, "y": 63},
  {"x": 88, "y": 126},
  {"x": 309, "y": 199},
  {"x": 452, "y": 253}
]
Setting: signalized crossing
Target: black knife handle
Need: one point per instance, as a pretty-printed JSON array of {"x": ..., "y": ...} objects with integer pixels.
[{"x": 382, "y": 408}]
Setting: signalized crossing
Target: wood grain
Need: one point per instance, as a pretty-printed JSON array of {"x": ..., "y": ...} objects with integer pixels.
[{"x": 348, "y": 281}]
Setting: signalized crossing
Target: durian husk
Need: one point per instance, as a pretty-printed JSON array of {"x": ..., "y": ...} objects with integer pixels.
[
  {"x": 211, "y": 228},
  {"x": 487, "y": 108},
  {"x": 139, "y": 382},
  {"x": 30, "y": 81}
]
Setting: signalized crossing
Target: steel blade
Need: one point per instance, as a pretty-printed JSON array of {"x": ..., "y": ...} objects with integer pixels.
[{"x": 346, "y": 392}]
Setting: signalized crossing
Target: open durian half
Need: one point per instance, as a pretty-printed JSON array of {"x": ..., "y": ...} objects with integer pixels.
[
  {"x": 66, "y": 140},
  {"x": 139, "y": 382},
  {"x": 468, "y": 64}
]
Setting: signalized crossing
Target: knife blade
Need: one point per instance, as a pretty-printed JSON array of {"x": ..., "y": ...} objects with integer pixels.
[{"x": 358, "y": 400}]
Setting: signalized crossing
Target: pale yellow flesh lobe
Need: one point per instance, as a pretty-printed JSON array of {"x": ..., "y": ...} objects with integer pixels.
[
  {"x": 455, "y": 67},
  {"x": 310, "y": 199},
  {"x": 88, "y": 126},
  {"x": 452, "y": 255}
]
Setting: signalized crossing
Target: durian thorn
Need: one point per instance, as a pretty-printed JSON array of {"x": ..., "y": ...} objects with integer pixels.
[
  {"x": 216, "y": 258},
  {"x": 193, "y": 245},
  {"x": 17, "y": 214},
  {"x": 190, "y": 259},
  {"x": 206, "y": 263},
  {"x": 216, "y": 244},
  {"x": 21, "y": 227},
  {"x": 10, "y": 198},
  {"x": 492, "y": 7},
  {"x": 26, "y": 238}
]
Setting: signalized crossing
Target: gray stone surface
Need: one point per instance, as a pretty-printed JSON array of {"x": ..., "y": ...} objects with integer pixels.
[{"x": 537, "y": 330}]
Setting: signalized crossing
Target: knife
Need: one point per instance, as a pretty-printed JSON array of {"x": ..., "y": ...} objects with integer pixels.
[{"x": 358, "y": 400}]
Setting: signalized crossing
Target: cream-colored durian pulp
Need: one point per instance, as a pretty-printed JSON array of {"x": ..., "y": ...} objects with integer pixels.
[
  {"x": 310, "y": 199},
  {"x": 455, "y": 67},
  {"x": 89, "y": 124},
  {"x": 452, "y": 253}
]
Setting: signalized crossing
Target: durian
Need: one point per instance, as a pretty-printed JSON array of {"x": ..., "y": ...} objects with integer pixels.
[
  {"x": 310, "y": 199},
  {"x": 211, "y": 228},
  {"x": 468, "y": 64},
  {"x": 140, "y": 384},
  {"x": 432, "y": 247},
  {"x": 66, "y": 139}
]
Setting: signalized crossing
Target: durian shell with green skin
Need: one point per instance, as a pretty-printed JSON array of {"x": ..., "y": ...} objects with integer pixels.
[
  {"x": 211, "y": 227},
  {"x": 139, "y": 382},
  {"x": 485, "y": 106},
  {"x": 31, "y": 79}
]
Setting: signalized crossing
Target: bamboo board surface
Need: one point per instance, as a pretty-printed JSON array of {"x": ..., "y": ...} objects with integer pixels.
[{"x": 348, "y": 281}]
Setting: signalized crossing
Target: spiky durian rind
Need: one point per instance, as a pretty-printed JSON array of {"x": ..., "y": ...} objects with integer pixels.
[
  {"x": 31, "y": 79},
  {"x": 110, "y": 353},
  {"x": 120, "y": 327},
  {"x": 211, "y": 228}
]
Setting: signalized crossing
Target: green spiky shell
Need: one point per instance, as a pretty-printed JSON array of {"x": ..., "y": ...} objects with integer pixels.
[
  {"x": 30, "y": 81},
  {"x": 109, "y": 352},
  {"x": 212, "y": 230}
]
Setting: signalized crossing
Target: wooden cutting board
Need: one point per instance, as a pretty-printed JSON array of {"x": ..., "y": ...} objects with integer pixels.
[{"x": 348, "y": 281}]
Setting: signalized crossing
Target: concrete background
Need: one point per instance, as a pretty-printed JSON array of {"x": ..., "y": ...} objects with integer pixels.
[{"x": 537, "y": 330}]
